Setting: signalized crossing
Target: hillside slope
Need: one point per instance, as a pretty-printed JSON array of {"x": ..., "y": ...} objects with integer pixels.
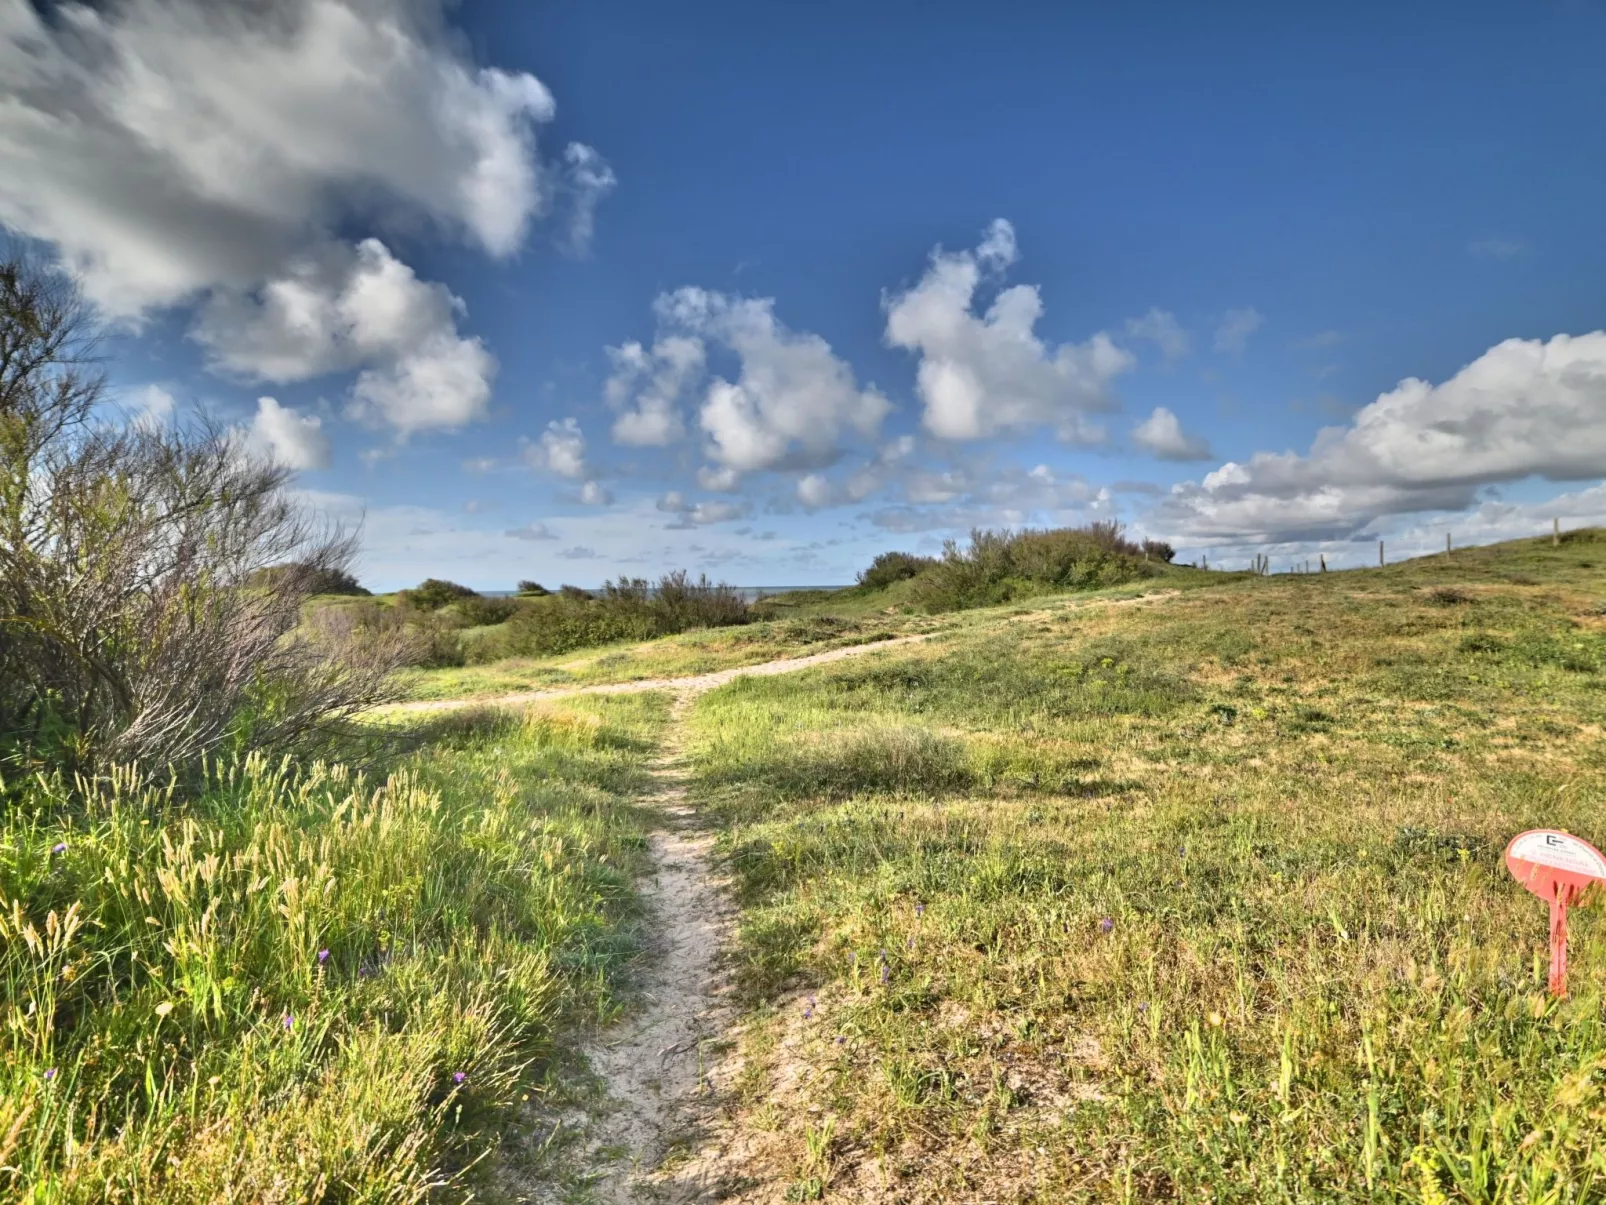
[{"x": 1197, "y": 899}]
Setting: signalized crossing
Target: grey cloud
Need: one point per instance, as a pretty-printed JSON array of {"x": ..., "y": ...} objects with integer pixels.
[{"x": 531, "y": 531}]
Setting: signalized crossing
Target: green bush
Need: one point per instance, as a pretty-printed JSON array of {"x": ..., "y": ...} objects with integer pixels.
[
  {"x": 479, "y": 611},
  {"x": 627, "y": 609},
  {"x": 533, "y": 588},
  {"x": 315, "y": 579},
  {"x": 1159, "y": 550},
  {"x": 558, "y": 623},
  {"x": 432, "y": 594},
  {"x": 892, "y": 567},
  {"x": 1001, "y": 565}
]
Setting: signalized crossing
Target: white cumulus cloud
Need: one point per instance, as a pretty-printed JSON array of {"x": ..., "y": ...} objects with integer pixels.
[
  {"x": 284, "y": 434},
  {"x": 587, "y": 180},
  {"x": 984, "y": 374},
  {"x": 1525, "y": 408},
  {"x": 646, "y": 387},
  {"x": 150, "y": 405},
  {"x": 697, "y": 514},
  {"x": 342, "y": 308},
  {"x": 561, "y": 450},
  {"x": 794, "y": 400},
  {"x": 169, "y": 146},
  {"x": 211, "y": 151},
  {"x": 1161, "y": 435}
]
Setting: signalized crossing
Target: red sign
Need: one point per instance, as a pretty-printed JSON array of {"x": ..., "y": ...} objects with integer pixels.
[{"x": 1557, "y": 867}]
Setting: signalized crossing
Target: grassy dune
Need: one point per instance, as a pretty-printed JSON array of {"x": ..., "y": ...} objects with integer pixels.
[
  {"x": 822, "y": 621},
  {"x": 690, "y": 653},
  {"x": 1200, "y": 899},
  {"x": 1189, "y": 889},
  {"x": 292, "y": 984}
]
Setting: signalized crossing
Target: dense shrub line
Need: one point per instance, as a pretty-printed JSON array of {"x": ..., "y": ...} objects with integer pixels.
[
  {"x": 1000, "y": 565},
  {"x": 627, "y": 609}
]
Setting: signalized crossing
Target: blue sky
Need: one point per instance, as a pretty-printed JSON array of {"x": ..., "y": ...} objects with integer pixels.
[{"x": 561, "y": 291}]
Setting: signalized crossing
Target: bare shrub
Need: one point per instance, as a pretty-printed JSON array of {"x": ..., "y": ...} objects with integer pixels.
[
  {"x": 138, "y": 623},
  {"x": 408, "y": 636}
]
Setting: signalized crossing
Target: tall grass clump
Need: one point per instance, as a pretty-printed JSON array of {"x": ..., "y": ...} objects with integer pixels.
[
  {"x": 300, "y": 984},
  {"x": 1000, "y": 565},
  {"x": 627, "y": 609}
]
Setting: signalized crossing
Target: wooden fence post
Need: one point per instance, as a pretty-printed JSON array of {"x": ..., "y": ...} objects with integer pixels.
[
  {"x": 1380, "y": 561},
  {"x": 1555, "y": 533}
]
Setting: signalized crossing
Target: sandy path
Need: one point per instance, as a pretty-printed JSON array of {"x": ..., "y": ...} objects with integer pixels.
[
  {"x": 694, "y": 683},
  {"x": 655, "y": 1064},
  {"x": 658, "y": 1067}
]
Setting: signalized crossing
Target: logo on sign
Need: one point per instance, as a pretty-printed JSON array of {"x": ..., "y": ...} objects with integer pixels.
[{"x": 1559, "y": 868}]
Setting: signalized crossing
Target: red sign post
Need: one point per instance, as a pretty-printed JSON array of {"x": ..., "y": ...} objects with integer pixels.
[{"x": 1557, "y": 867}]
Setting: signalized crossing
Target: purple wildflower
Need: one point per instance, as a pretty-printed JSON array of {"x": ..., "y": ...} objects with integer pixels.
[
  {"x": 459, "y": 1076},
  {"x": 808, "y": 1009},
  {"x": 840, "y": 1040},
  {"x": 323, "y": 957},
  {"x": 50, "y": 1073},
  {"x": 886, "y": 973},
  {"x": 289, "y": 1020},
  {"x": 60, "y": 847},
  {"x": 920, "y": 909},
  {"x": 1107, "y": 925}
]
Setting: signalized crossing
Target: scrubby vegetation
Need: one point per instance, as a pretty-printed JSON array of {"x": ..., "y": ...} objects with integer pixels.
[
  {"x": 317, "y": 579},
  {"x": 998, "y": 566},
  {"x": 628, "y": 609},
  {"x": 232, "y": 968},
  {"x": 890, "y": 567},
  {"x": 151, "y": 575},
  {"x": 294, "y": 982},
  {"x": 432, "y": 594},
  {"x": 1200, "y": 899}
]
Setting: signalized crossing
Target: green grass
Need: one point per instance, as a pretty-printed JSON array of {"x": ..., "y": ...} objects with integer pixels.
[
  {"x": 671, "y": 657},
  {"x": 293, "y": 983},
  {"x": 833, "y": 620},
  {"x": 1196, "y": 900}
]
